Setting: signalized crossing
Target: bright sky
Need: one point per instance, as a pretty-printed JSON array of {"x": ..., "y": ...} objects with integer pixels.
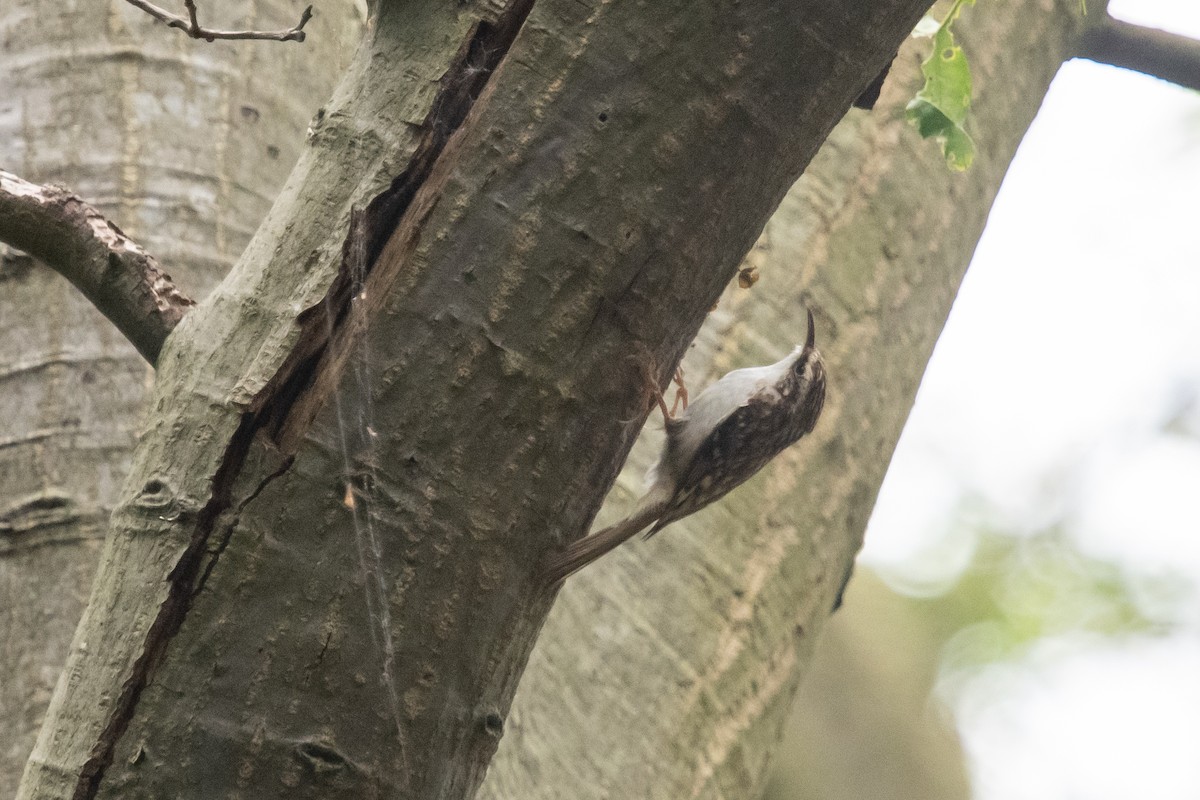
[{"x": 1074, "y": 341}]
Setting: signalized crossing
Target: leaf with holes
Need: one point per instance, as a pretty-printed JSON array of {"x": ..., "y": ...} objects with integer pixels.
[{"x": 940, "y": 109}]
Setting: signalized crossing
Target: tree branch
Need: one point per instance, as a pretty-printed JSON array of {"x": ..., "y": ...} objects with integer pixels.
[
  {"x": 73, "y": 238},
  {"x": 191, "y": 25},
  {"x": 1150, "y": 51},
  {"x": 495, "y": 360}
]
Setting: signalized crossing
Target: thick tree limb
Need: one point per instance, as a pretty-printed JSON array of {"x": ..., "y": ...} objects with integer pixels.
[
  {"x": 663, "y": 670},
  {"x": 72, "y": 237},
  {"x": 482, "y": 416},
  {"x": 191, "y": 25},
  {"x": 1150, "y": 51},
  {"x": 190, "y": 188}
]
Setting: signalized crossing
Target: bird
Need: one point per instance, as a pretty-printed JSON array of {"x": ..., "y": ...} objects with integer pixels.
[{"x": 719, "y": 441}]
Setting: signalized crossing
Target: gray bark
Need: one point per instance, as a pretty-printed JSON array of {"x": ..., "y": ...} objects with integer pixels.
[
  {"x": 115, "y": 273},
  {"x": 522, "y": 233},
  {"x": 584, "y": 212},
  {"x": 181, "y": 143},
  {"x": 666, "y": 670}
]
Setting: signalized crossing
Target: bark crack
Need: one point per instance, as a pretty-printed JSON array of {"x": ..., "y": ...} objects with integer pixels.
[
  {"x": 287, "y": 404},
  {"x": 170, "y": 614},
  {"x": 391, "y": 221}
]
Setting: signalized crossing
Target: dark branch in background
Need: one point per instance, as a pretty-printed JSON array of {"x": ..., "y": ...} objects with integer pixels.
[
  {"x": 191, "y": 25},
  {"x": 71, "y": 237},
  {"x": 1153, "y": 52}
]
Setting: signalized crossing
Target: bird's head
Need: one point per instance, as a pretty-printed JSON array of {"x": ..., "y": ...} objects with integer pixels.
[{"x": 808, "y": 375}]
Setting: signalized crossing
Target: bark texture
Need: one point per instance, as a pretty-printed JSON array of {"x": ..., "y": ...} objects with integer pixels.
[
  {"x": 422, "y": 375},
  {"x": 666, "y": 670},
  {"x": 72, "y": 237},
  {"x": 181, "y": 143}
]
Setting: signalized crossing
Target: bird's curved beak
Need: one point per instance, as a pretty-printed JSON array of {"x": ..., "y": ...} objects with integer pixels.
[{"x": 811, "y": 341}]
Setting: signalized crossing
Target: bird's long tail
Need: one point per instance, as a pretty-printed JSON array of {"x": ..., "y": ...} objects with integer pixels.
[{"x": 578, "y": 554}]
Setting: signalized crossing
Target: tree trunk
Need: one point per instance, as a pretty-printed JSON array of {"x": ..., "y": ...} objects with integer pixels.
[
  {"x": 667, "y": 669},
  {"x": 362, "y": 443},
  {"x": 182, "y": 143},
  {"x": 530, "y": 216}
]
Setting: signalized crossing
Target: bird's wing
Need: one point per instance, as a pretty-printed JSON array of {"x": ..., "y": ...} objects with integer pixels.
[
  {"x": 721, "y": 462},
  {"x": 714, "y": 406}
]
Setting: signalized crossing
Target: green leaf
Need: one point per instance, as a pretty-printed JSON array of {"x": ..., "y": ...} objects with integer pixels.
[
  {"x": 940, "y": 109},
  {"x": 957, "y": 145}
]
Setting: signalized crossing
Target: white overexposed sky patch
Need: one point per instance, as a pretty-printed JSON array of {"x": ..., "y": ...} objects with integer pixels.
[
  {"x": 1076, "y": 726},
  {"x": 1176, "y": 16}
]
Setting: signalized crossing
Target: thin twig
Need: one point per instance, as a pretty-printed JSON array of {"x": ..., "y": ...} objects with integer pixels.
[
  {"x": 191, "y": 24},
  {"x": 72, "y": 237},
  {"x": 191, "y": 9}
]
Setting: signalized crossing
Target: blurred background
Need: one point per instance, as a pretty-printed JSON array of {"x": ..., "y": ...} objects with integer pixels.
[{"x": 1024, "y": 622}]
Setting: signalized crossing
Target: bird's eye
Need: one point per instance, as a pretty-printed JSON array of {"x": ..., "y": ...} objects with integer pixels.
[{"x": 801, "y": 363}]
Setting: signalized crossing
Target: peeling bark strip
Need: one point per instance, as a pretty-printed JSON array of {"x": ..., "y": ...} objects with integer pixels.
[
  {"x": 186, "y": 580},
  {"x": 72, "y": 237},
  {"x": 171, "y": 613},
  {"x": 289, "y": 402}
]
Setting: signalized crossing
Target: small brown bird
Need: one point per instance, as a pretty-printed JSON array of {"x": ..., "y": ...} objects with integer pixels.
[{"x": 720, "y": 440}]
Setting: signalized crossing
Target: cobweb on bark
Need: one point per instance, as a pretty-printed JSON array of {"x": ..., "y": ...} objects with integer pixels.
[{"x": 356, "y": 441}]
